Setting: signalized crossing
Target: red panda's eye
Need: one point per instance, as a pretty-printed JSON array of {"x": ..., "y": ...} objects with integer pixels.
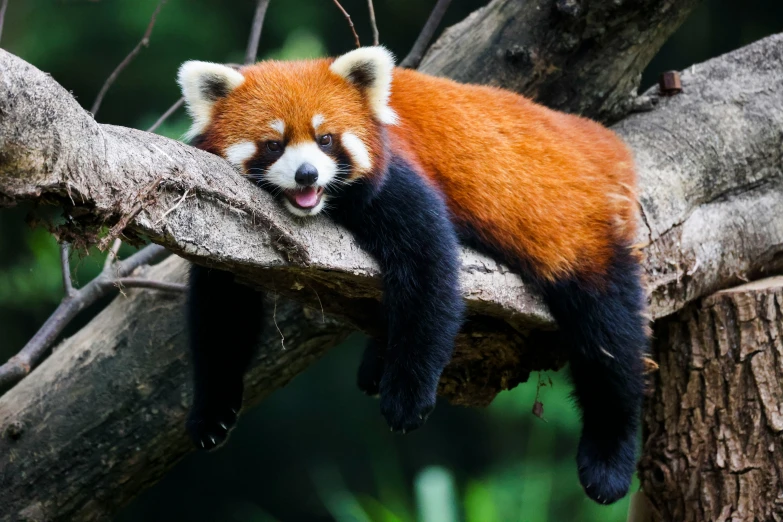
[
  {"x": 325, "y": 140},
  {"x": 273, "y": 146}
]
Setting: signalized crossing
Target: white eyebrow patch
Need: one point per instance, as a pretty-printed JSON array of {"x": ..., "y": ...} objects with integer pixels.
[
  {"x": 318, "y": 119},
  {"x": 357, "y": 150},
  {"x": 278, "y": 125},
  {"x": 238, "y": 153}
]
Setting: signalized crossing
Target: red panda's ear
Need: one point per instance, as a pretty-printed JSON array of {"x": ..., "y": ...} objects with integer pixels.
[
  {"x": 370, "y": 69},
  {"x": 202, "y": 84}
]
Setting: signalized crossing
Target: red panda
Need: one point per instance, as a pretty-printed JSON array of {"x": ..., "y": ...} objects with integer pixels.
[{"x": 414, "y": 165}]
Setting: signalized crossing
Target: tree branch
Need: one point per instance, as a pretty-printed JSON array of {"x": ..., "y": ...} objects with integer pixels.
[
  {"x": 65, "y": 264},
  {"x": 171, "y": 110},
  {"x": 111, "y": 278},
  {"x": 144, "y": 42},
  {"x": 581, "y": 57},
  {"x": 350, "y": 22},
  {"x": 255, "y": 32},
  {"x": 376, "y": 37},
  {"x": 428, "y": 31},
  {"x": 3, "y": 7}
]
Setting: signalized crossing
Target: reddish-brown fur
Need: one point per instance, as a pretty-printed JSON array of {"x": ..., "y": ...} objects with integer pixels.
[{"x": 555, "y": 190}]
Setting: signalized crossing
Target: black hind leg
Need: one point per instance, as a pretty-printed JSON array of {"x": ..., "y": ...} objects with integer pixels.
[
  {"x": 371, "y": 368},
  {"x": 224, "y": 324},
  {"x": 607, "y": 335}
]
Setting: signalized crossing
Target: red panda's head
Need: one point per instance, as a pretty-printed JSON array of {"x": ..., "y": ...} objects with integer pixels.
[{"x": 297, "y": 128}]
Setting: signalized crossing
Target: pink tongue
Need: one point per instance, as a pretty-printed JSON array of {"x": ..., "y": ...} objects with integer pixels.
[{"x": 306, "y": 198}]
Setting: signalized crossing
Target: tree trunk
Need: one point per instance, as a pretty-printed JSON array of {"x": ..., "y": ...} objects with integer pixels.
[{"x": 713, "y": 449}]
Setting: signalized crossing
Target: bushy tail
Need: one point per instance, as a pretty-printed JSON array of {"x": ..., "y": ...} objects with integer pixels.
[{"x": 606, "y": 332}]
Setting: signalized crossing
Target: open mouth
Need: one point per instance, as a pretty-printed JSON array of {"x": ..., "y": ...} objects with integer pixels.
[{"x": 305, "y": 198}]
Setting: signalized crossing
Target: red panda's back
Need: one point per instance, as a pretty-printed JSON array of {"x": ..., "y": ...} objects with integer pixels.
[{"x": 552, "y": 188}]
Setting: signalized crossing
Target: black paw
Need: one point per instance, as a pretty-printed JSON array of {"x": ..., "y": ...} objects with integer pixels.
[
  {"x": 606, "y": 475},
  {"x": 406, "y": 404},
  {"x": 209, "y": 424}
]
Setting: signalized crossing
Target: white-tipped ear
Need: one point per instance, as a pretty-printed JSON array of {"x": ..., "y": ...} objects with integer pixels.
[
  {"x": 202, "y": 84},
  {"x": 370, "y": 69}
]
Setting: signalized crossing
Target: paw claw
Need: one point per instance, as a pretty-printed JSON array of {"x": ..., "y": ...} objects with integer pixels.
[
  {"x": 210, "y": 423},
  {"x": 407, "y": 403}
]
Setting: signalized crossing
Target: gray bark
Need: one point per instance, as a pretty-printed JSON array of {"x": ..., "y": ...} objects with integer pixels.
[
  {"x": 584, "y": 57},
  {"x": 709, "y": 163}
]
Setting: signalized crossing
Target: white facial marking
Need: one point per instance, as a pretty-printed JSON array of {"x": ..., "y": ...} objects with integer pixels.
[
  {"x": 238, "y": 153},
  {"x": 282, "y": 171},
  {"x": 357, "y": 150},
  {"x": 192, "y": 78},
  {"x": 318, "y": 119},
  {"x": 380, "y": 64},
  {"x": 279, "y": 126}
]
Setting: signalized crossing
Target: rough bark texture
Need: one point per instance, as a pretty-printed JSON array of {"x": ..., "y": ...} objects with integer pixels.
[
  {"x": 694, "y": 199},
  {"x": 580, "y": 56},
  {"x": 713, "y": 449}
]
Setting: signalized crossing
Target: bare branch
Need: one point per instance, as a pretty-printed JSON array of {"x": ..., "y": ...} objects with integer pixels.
[
  {"x": 135, "y": 282},
  {"x": 171, "y": 110},
  {"x": 149, "y": 255},
  {"x": 420, "y": 46},
  {"x": 112, "y": 254},
  {"x": 255, "y": 32},
  {"x": 376, "y": 38},
  {"x": 75, "y": 301},
  {"x": 144, "y": 42},
  {"x": 65, "y": 250},
  {"x": 3, "y": 7},
  {"x": 350, "y": 22}
]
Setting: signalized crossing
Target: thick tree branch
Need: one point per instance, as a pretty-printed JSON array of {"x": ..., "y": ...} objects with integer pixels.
[
  {"x": 576, "y": 56},
  {"x": 710, "y": 166}
]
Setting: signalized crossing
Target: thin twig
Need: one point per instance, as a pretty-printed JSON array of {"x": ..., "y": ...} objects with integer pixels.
[
  {"x": 23, "y": 362},
  {"x": 144, "y": 42},
  {"x": 141, "y": 199},
  {"x": 3, "y": 7},
  {"x": 255, "y": 32},
  {"x": 135, "y": 282},
  {"x": 274, "y": 319},
  {"x": 420, "y": 46},
  {"x": 171, "y": 110},
  {"x": 376, "y": 37},
  {"x": 65, "y": 250},
  {"x": 350, "y": 22},
  {"x": 175, "y": 207},
  {"x": 112, "y": 255}
]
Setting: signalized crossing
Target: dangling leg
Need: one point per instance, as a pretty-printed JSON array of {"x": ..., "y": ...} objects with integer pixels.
[
  {"x": 608, "y": 339},
  {"x": 224, "y": 324},
  {"x": 371, "y": 368}
]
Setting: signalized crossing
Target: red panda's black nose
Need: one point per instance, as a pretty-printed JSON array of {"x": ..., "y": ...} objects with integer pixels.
[{"x": 306, "y": 174}]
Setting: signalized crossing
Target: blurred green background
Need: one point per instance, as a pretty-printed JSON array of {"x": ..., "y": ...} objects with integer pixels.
[{"x": 317, "y": 450}]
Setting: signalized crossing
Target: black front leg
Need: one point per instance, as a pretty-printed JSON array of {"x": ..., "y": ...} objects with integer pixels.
[
  {"x": 405, "y": 225},
  {"x": 224, "y": 324},
  {"x": 371, "y": 368}
]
